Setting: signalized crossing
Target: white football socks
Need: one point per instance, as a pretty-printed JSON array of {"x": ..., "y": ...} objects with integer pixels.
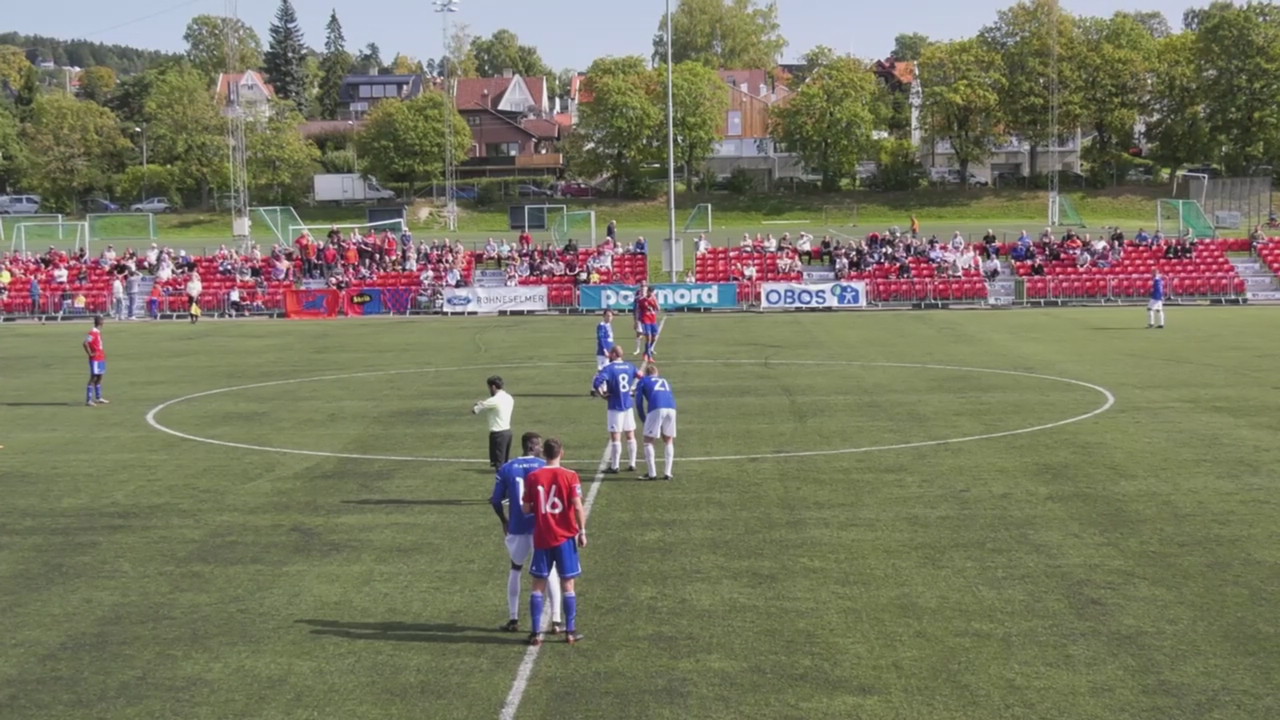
[
  {"x": 1160, "y": 318},
  {"x": 670, "y": 457},
  {"x": 1151, "y": 317},
  {"x": 631, "y": 449},
  {"x": 649, "y": 459},
  {"x": 615, "y": 454},
  {"x": 554, "y": 590},
  {"x": 513, "y": 594}
]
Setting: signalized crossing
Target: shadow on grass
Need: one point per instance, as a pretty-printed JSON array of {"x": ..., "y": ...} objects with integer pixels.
[
  {"x": 554, "y": 395},
  {"x": 396, "y": 631},
  {"x": 401, "y": 501},
  {"x": 1118, "y": 329},
  {"x": 38, "y": 404}
]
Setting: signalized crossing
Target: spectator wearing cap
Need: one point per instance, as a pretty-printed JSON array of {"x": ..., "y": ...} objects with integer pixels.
[{"x": 497, "y": 410}]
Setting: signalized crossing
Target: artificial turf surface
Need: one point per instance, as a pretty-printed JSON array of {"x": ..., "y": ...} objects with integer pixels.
[{"x": 1122, "y": 566}]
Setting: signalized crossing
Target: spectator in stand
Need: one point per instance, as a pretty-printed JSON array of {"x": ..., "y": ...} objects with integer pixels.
[
  {"x": 117, "y": 298},
  {"x": 788, "y": 262},
  {"x": 513, "y": 278},
  {"x": 131, "y": 287},
  {"x": 525, "y": 242},
  {"x": 1037, "y": 268},
  {"x": 770, "y": 244},
  {"x": 749, "y": 272},
  {"x": 390, "y": 250},
  {"x": 593, "y": 278},
  {"x": 804, "y": 247},
  {"x": 194, "y": 289},
  {"x": 611, "y": 232},
  {"x": 34, "y": 290},
  {"x": 571, "y": 247},
  {"x": 522, "y": 268},
  {"x": 957, "y": 242},
  {"x": 641, "y": 247},
  {"x": 108, "y": 257},
  {"x": 152, "y": 256},
  {"x": 571, "y": 263},
  {"x": 1083, "y": 258},
  {"x": 934, "y": 253},
  {"x": 60, "y": 275},
  {"x": 757, "y": 245},
  {"x": 334, "y": 236},
  {"x": 504, "y": 251},
  {"x": 1103, "y": 257},
  {"x": 745, "y": 245},
  {"x": 991, "y": 268},
  {"x": 785, "y": 243},
  {"x": 841, "y": 266},
  {"x": 701, "y": 246},
  {"x": 1117, "y": 237},
  {"x": 990, "y": 244},
  {"x": 329, "y": 258},
  {"x": 234, "y": 305},
  {"x": 453, "y": 278},
  {"x": 303, "y": 244},
  {"x": 557, "y": 268},
  {"x": 490, "y": 251},
  {"x": 1257, "y": 239},
  {"x": 1142, "y": 238}
]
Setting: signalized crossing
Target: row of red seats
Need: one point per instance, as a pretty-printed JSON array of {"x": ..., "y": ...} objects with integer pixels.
[{"x": 1040, "y": 288}]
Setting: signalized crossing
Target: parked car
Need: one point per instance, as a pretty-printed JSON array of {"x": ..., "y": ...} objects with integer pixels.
[
  {"x": 100, "y": 205},
  {"x": 952, "y": 176},
  {"x": 465, "y": 192},
  {"x": 19, "y": 204},
  {"x": 527, "y": 190},
  {"x": 1010, "y": 179},
  {"x": 578, "y": 190},
  {"x": 153, "y": 205}
]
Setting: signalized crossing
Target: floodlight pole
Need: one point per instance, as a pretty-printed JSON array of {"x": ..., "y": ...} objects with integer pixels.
[
  {"x": 444, "y": 7},
  {"x": 671, "y": 152}
]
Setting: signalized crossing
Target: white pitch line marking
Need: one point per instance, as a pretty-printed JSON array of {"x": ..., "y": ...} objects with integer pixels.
[
  {"x": 1107, "y": 405},
  {"x": 525, "y": 670}
]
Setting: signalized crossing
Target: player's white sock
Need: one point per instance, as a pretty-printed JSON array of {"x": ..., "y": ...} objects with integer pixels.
[
  {"x": 670, "y": 457},
  {"x": 1151, "y": 317},
  {"x": 553, "y": 589},
  {"x": 631, "y": 450},
  {"x": 649, "y": 459},
  {"x": 513, "y": 594},
  {"x": 615, "y": 454},
  {"x": 1160, "y": 317}
]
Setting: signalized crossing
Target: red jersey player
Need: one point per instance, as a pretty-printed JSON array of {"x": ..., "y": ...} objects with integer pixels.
[
  {"x": 97, "y": 364},
  {"x": 649, "y": 322},
  {"x": 553, "y": 495}
]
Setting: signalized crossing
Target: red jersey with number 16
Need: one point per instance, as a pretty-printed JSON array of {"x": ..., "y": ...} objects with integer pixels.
[
  {"x": 552, "y": 491},
  {"x": 97, "y": 353},
  {"x": 649, "y": 311}
]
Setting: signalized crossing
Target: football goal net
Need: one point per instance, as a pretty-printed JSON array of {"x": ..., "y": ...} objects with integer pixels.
[
  {"x": 38, "y": 234},
  {"x": 1063, "y": 212},
  {"x": 121, "y": 226},
  {"x": 1183, "y": 217},
  {"x": 699, "y": 220},
  {"x": 9, "y": 223},
  {"x": 320, "y": 232},
  {"x": 576, "y": 225},
  {"x": 543, "y": 217},
  {"x": 273, "y": 223}
]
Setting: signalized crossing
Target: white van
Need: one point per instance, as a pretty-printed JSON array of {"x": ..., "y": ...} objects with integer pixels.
[{"x": 19, "y": 204}]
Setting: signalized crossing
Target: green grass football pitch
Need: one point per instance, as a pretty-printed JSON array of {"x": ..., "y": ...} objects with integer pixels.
[{"x": 1121, "y": 566}]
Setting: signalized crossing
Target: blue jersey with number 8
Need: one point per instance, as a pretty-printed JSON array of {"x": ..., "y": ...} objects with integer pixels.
[{"x": 618, "y": 379}]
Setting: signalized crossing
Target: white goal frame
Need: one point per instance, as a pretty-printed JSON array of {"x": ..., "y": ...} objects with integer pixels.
[
  {"x": 14, "y": 220},
  {"x": 20, "y": 234},
  {"x": 688, "y": 224},
  {"x": 563, "y": 220},
  {"x": 150, "y": 217},
  {"x": 564, "y": 210}
]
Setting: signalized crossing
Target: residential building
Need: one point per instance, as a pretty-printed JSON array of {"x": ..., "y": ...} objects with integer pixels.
[
  {"x": 360, "y": 93},
  {"x": 745, "y": 139},
  {"x": 513, "y": 128},
  {"x": 249, "y": 89}
]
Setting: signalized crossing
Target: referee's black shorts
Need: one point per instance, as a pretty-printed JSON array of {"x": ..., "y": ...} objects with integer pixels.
[{"x": 499, "y": 447}]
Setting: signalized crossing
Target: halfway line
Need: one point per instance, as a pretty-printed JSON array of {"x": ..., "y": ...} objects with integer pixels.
[{"x": 531, "y": 655}]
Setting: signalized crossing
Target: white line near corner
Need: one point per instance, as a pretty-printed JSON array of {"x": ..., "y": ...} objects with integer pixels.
[{"x": 525, "y": 670}]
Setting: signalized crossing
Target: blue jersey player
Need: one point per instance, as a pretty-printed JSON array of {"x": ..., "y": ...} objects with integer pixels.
[
  {"x": 604, "y": 340},
  {"x": 616, "y": 383},
  {"x": 508, "y": 489},
  {"x": 656, "y": 403},
  {"x": 1155, "y": 306}
]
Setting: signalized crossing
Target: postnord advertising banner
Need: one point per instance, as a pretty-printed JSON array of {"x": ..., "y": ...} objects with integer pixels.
[
  {"x": 495, "y": 299},
  {"x": 840, "y": 295},
  {"x": 670, "y": 297}
]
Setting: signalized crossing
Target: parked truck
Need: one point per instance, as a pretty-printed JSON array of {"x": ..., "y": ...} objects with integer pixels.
[{"x": 349, "y": 188}]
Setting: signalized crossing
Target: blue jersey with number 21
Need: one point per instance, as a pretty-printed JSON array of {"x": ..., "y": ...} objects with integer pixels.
[
  {"x": 654, "y": 393},
  {"x": 619, "y": 379}
]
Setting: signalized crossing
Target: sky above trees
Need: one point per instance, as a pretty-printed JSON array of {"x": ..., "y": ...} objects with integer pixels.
[{"x": 609, "y": 28}]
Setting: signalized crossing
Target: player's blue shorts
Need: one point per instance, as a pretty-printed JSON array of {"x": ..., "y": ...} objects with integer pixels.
[
  {"x": 97, "y": 367},
  {"x": 563, "y": 557},
  {"x": 651, "y": 329}
]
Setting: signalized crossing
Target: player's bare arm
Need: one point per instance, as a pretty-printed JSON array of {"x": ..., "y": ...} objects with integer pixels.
[{"x": 581, "y": 515}]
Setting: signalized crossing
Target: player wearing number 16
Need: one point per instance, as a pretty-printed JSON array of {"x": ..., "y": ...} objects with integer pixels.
[{"x": 553, "y": 495}]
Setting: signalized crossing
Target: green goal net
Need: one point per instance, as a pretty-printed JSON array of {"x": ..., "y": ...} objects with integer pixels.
[
  {"x": 272, "y": 224},
  {"x": 699, "y": 220},
  {"x": 1183, "y": 217},
  {"x": 576, "y": 225},
  {"x": 1063, "y": 212}
]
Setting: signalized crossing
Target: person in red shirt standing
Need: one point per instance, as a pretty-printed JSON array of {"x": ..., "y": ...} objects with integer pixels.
[
  {"x": 553, "y": 495},
  {"x": 97, "y": 364},
  {"x": 649, "y": 322}
]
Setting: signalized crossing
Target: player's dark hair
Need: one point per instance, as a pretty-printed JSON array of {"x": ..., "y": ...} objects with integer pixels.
[
  {"x": 551, "y": 449},
  {"x": 532, "y": 444},
  {"x": 495, "y": 382},
  {"x": 97, "y": 321}
]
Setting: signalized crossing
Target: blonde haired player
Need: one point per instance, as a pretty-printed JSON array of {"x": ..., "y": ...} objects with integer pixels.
[
  {"x": 656, "y": 403},
  {"x": 616, "y": 384}
]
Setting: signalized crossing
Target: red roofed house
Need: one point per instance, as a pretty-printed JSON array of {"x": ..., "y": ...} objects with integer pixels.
[
  {"x": 249, "y": 89},
  {"x": 513, "y": 130}
]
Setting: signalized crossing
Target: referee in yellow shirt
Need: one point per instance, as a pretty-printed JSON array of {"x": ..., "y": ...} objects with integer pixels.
[{"x": 497, "y": 411}]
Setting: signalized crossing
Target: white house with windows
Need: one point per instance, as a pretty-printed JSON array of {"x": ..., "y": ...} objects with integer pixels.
[
  {"x": 249, "y": 90},
  {"x": 360, "y": 93}
]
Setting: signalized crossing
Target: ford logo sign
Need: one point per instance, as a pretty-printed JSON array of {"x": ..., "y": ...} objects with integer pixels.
[{"x": 458, "y": 300}]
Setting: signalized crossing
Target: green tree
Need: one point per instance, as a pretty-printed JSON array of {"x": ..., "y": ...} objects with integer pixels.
[
  {"x": 13, "y": 65},
  {"x": 1038, "y": 41},
  {"x": 700, "y": 100},
  {"x": 138, "y": 183},
  {"x": 129, "y": 101},
  {"x": 28, "y": 92},
  {"x": 285, "y": 60},
  {"x": 909, "y": 46},
  {"x": 1153, "y": 20},
  {"x": 1238, "y": 53},
  {"x": 403, "y": 140},
  {"x": 962, "y": 83},
  {"x": 75, "y": 145},
  {"x": 829, "y": 120},
  {"x": 185, "y": 130},
  {"x": 1177, "y": 131},
  {"x": 335, "y": 65},
  {"x": 12, "y": 150},
  {"x": 370, "y": 60},
  {"x": 1118, "y": 64},
  {"x": 406, "y": 65},
  {"x": 280, "y": 160},
  {"x": 818, "y": 57},
  {"x": 461, "y": 58},
  {"x": 97, "y": 84},
  {"x": 722, "y": 34},
  {"x": 619, "y": 130},
  {"x": 206, "y": 38},
  {"x": 502, "y": 51}
]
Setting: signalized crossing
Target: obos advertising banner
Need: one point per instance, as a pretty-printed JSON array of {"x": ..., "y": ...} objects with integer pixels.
[
  {"x": 670, "y": 297},
  {"x": 495, "y": 299},
  {"x": 823, "y": 295}
]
